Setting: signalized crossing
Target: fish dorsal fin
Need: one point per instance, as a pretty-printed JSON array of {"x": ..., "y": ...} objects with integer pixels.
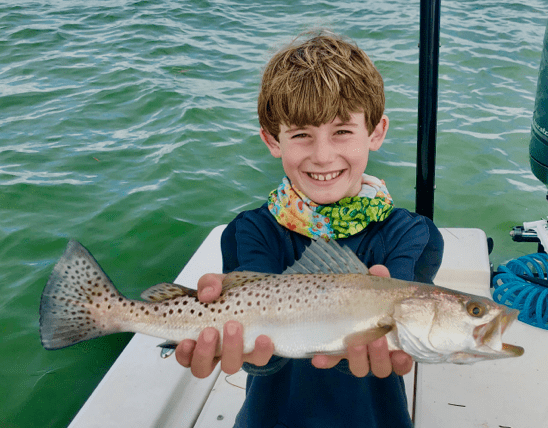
[
  {"x": 239, "y": 279},
  {"x": 165, "y": 291},
  {"x": 327, "y": 257}
]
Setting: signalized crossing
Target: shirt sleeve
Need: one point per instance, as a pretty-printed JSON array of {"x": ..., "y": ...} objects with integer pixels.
[
  {"x": 412, "y": 248},
  {"x": 251, "y": 242}
]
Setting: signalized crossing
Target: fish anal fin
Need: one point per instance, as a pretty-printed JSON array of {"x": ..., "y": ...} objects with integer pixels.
[
  {"x": 166, "y": 291},
  {"x": 361, "y": 338}
]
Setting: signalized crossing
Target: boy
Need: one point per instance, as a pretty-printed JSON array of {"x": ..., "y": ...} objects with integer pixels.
[{"x": 321, "y": 111}]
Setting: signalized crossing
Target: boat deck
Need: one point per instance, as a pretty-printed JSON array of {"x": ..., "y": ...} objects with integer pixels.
[{"x": 141, "y": 389}]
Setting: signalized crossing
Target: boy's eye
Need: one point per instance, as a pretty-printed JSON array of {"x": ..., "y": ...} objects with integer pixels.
[
  {"x": 343, "y": 132},
  {"x": 299, "y": 136}
]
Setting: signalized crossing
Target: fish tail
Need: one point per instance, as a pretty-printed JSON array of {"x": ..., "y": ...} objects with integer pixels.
[{"x": 76, "y": 300}]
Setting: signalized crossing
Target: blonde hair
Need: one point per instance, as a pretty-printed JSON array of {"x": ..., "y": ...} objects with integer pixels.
[{"x": 313, "y": 82}]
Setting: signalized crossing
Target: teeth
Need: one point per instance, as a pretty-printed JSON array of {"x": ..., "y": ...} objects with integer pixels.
[{"x": 324, "y": 177}]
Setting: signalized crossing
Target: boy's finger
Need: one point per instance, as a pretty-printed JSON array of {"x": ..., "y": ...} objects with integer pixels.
[
  {"x": 358, "y": 361},
  {"x": 402, "y": 363},
  {"x": 183, "y": 352},
  {"x": 379, "y": 270},
  {"x": 379, "y": 358},
  {"x": 233, "y": 347},
  {"x": 262, "y": 353},
  {"x": 203, "y": 358},
  {"x": 210, "y": 286},
  {"x": 326, "y": 361}
]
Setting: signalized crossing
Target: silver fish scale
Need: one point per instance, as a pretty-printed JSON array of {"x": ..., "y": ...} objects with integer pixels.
[{"x": 249, "y": 298}]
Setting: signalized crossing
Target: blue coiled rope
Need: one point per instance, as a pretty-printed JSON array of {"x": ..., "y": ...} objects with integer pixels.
[{"x": 518, "y": 293}]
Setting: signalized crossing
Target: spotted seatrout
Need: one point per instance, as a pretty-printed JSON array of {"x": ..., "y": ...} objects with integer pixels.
[{"x": 322, "y": 303}]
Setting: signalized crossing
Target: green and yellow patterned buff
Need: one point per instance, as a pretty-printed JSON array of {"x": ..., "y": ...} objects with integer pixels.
[{"x": 349, "y": 216}]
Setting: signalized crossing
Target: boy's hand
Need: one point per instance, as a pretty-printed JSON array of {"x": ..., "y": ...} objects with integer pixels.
[
  {"x": 202, "y": 356},
  {"x": 372, "y": 356}
]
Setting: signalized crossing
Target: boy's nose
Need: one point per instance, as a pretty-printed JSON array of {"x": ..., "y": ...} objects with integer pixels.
[{"x": 323, "y": 151}]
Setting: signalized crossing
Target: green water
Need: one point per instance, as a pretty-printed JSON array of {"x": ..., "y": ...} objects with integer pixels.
[{"x": 131, "y": 127}]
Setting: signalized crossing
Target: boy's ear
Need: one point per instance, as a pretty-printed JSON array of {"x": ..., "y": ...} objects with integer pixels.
[
  {"x": 378, "y": 134},
  {"x": 271, "y": 143}
]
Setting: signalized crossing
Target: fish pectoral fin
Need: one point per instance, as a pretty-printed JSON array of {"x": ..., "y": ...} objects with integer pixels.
[
  {"x": 165, "y": 291},
  {"x": 327, "y": 257},
  {"x": 361, "y": 338}
]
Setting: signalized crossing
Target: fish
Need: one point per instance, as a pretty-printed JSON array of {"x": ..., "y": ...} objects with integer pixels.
[{"x": 321, "y": 304}]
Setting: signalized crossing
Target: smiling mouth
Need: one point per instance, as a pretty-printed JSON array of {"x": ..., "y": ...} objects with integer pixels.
[{"x": 324, "y": 176}]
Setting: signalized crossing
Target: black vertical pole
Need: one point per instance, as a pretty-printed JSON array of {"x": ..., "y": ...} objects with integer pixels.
[
  {"x": 428, "y": 106},
  {"x": 428, "y": 109}
]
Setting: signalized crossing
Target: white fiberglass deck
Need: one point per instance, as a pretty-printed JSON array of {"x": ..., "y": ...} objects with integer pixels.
[{"x": 143, "y": 390}]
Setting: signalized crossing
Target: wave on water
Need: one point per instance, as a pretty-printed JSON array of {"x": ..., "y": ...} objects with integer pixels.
[{"x": 132, "y": 126}]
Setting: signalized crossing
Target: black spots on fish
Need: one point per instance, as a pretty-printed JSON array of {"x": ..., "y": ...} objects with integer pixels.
[{"x": 180, "y": 310}]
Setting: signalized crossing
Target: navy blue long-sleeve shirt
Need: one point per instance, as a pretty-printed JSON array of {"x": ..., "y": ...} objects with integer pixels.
[{"x": 292, "y": 393}]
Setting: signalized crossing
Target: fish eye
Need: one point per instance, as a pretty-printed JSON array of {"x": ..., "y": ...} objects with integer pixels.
[{"x": 476, "y": 309}]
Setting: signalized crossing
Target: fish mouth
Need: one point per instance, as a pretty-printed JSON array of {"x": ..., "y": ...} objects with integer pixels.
[{"x": 488, "y": 337}]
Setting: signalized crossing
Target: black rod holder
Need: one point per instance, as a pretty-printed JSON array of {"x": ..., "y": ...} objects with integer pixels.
[{"x": 428, "y": 106}]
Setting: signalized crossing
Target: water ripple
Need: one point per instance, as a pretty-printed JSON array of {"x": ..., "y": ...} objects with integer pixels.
[{"x": 132, "y": 124}]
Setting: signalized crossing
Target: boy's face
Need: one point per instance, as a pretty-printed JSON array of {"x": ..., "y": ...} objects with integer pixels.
[{"x": 326, "y": 162}]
